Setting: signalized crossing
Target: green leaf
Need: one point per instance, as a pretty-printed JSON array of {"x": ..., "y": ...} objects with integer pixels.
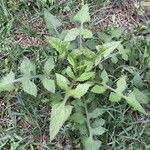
[
  {"x": 91, "y": 144},
  {"x": 121, "y": 85},
  {"x": 88, "y": 53},
  {"x": 14, "y": 145},
  {"x": 62, "y": 81},
  {"x": 98, "y": 89},
  {"x": 51, "y": 21},
  {"x": 131, "y": 100},
  {"x": 147, "y": 4},
  {"x": 83, "y": 15},
  {"x": 71, "y": 60},
  {"x": 70, "y": 72},
  {"x": 80, "y": 90},
  {"x": 148, "y": 76},
  {"x": 141, "y": 97},
  {"x": 78, "y": 118},
  {"x": 114, "y": 97},
  {"x": 98, "y": 122},
  {"x": 49, "y": 84},
  {"x": 117, "y": 33},
  {"x": 98, "y": 131},
  {"x": 104, "y": 37},
  {"x": 125, "y": 56},
  {"x": 98, "y": 60},
  {"x": 137, "y": 81},
  {"x": 72, "y": 34},
  {"x": 96, "y": 113},
  {"x": 49, "y": 65},
  {"x": 59, "y": 115},
  {"x": 86, "y": 33},
  {"x": 85, "y": 76},
  {"x": 27, "y": 67},
  {"x": 110, "y": 47},
  {"x": 114, "y": 59},
  {"x": 7, "y": 83},
  {"x": 58, "y": 45},
  {"x": 104, "y": 77},
  {"x": 28, "y": 86}
]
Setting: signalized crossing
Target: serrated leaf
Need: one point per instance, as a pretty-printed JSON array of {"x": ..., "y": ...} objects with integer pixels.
[
  {"x": 114, "y": 59},
  {"x": 14, "y": 145},
  {"x": 80, "y": 90},
  {"x": 70, "y": 72},
  {"x": 72, "y": 34},
  {"x": 86, "y": 33},
  {"x": 121, "y": 85},
  {"x": 7, "y": 82},
  {"x": 49, "y": 84},
  {"x": 114, "y": 97},
  {"x": 58, "y": 45},
  {"x": 97, "y": 60},
  {"x": 117, "y": 33},
  {"x": 98, "y": 130},
  {"x": 104, "y": 37},
  {"x": 85, "y": 76},
  {"x": 78, "y": 118},
  {"x": 96, "y": 113},
  {"x": 51, "y": 21},
  {"x": 83, "y": 14},
  {"x": 91, "y": 144},
  {"x": 104, "y": 77},
  {"x": 71, "y": 60},
  {"x": 141, "y": 97},
  {"x": 125, "y": 56},
  {"x": 88, "y": 53},
  {"x": 62, "y": 81},
  {"x": 134, "y": 103},
  {"x": 137, "y": 81},
  {"x": 110, "y": 47},
  {"x": 98, "y": 122},
  {"x": 27, "y": 67},
  {"x": 49, "y": 65},
  {"x": 59, "y": 114},
  {"x": 98, "y": 89},
  {"x": 28, "y": 86}
]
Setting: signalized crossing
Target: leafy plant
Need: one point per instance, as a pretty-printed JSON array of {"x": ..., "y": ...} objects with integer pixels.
[{"x": 82, "y": 76}]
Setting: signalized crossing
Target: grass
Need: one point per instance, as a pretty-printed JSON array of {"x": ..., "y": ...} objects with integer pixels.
[{"x": 24, "y": 120}]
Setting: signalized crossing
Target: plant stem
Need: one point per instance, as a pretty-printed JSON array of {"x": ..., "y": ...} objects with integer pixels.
[
  {"x": 66, "y": 98},
  {"x": 80, "y": 37},
  {"x": 88, "y": 122}
]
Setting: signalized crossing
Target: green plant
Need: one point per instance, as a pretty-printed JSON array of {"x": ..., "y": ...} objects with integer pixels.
[{"x": 81, "y": 76}]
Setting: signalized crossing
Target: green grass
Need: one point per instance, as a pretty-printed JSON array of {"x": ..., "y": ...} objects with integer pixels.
[{"x": 24, "y": 120}]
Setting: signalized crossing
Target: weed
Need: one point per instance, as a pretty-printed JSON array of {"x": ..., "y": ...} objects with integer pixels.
[{"x": 91, "y": 81}]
